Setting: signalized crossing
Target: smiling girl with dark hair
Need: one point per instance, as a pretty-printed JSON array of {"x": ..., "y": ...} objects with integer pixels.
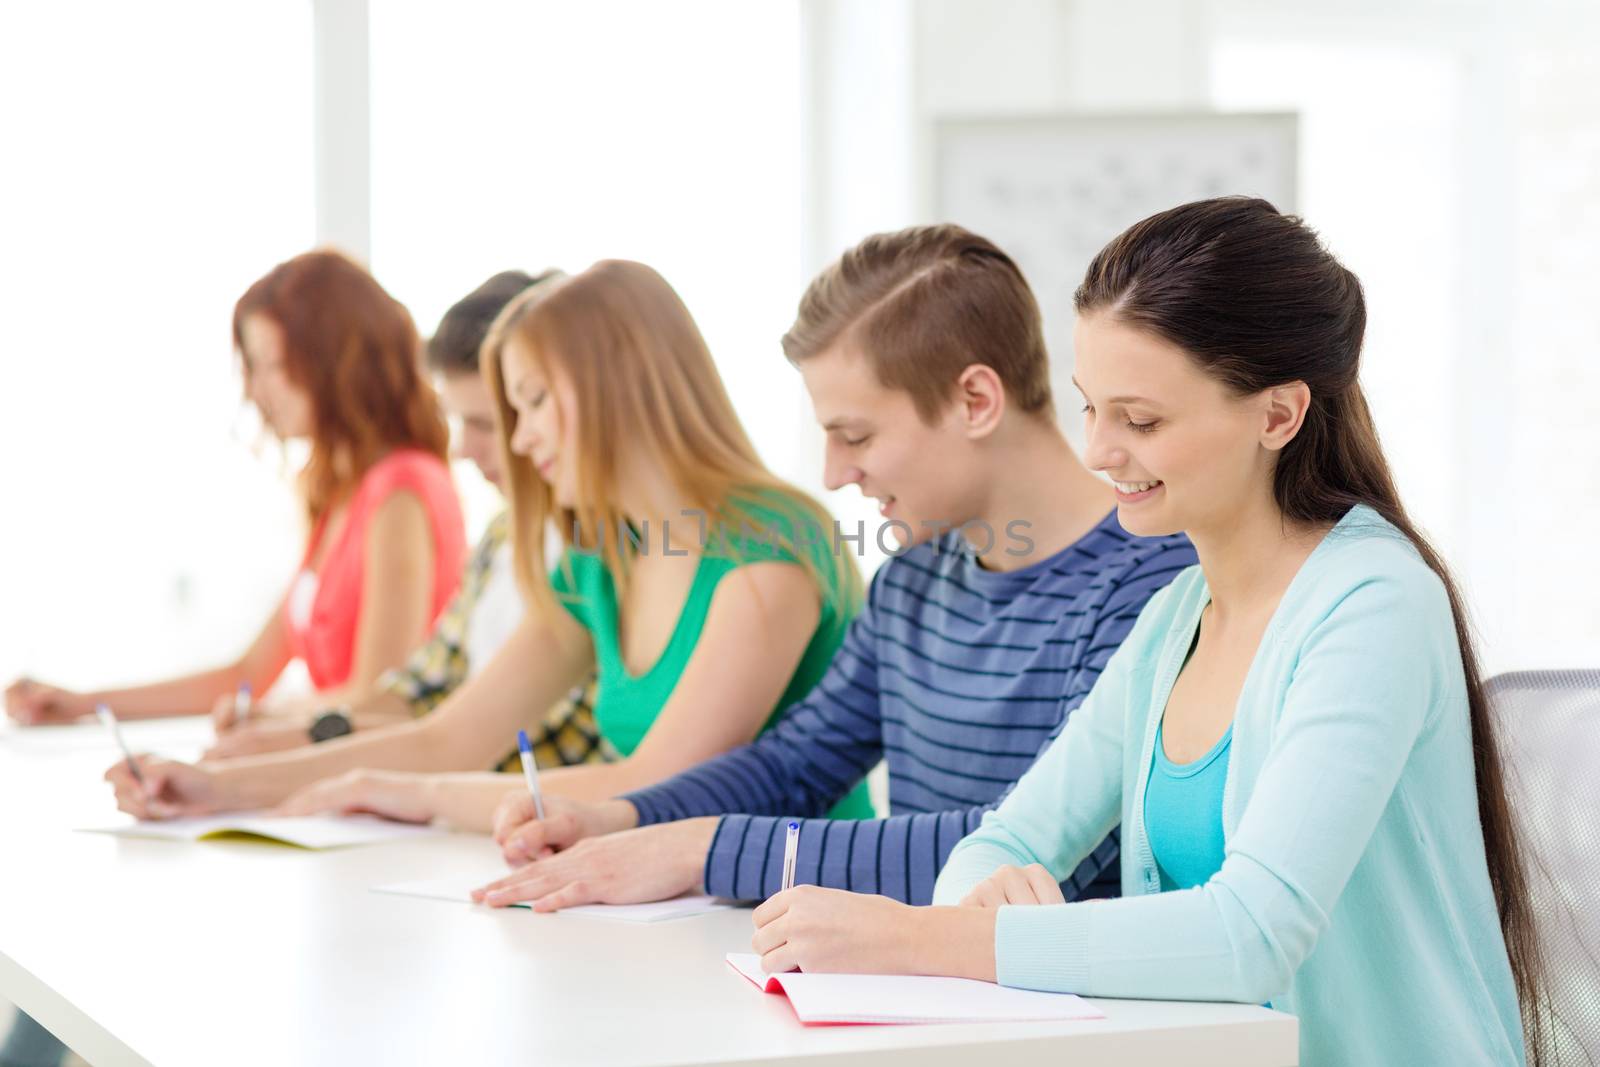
[{"x": 1293, "y": 739}]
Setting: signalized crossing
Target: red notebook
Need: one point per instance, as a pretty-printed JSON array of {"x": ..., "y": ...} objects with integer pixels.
[{"x": 829, "y": 999}]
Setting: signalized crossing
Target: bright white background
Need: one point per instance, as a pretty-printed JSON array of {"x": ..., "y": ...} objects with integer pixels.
[
  {"x": 155, "y": 159},
  {"x": 548, "y": 134},
  {"x": 167, "y": 162}
]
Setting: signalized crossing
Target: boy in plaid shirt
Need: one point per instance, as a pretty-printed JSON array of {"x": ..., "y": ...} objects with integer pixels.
[{"x": 487, "y": 606}]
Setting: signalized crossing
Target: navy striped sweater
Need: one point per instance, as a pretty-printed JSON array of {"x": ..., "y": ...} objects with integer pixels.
[{"x": 957, "y": 677}]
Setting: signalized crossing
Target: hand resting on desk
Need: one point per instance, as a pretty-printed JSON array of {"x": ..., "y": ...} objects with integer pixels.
[
  {"x": 31, "y": 703},
  {"x": 630, "y": 867}
]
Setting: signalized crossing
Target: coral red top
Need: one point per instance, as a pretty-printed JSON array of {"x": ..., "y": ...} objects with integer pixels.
[{"x": 324, "y": 607}]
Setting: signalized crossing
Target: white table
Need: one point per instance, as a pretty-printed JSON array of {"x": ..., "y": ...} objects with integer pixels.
[{"x": 176, "y": 954}]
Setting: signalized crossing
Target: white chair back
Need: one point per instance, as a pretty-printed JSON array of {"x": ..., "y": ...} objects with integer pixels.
[{"x": 1548, "y": 729}]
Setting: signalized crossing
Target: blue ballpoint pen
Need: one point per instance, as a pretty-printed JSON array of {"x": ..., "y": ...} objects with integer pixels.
[{"x": 530, "y": 773}]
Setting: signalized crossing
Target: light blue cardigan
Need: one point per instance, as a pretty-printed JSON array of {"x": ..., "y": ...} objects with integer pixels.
[{"x": 1354, "y": 892}]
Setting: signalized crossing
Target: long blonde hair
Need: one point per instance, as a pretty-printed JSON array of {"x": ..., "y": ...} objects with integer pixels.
[{"x": 642, "y": 374}]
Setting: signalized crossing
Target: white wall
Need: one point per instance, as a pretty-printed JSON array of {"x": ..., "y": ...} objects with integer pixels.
[{"x": 1420, "y": 170}]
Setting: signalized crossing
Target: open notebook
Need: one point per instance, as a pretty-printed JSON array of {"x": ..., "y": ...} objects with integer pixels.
[
  {"x": 460, "y": 889},
  {"x": 302, "y": 831},
  {"x": 822, "y": 999}
]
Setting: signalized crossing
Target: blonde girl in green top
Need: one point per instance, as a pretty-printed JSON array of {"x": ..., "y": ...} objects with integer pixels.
[{"x": 704, "y": 590}]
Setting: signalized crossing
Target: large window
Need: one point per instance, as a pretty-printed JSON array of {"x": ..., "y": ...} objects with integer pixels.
[
  {"x": 555, "y": 134},
  {"x": 154, "y": 167},
  {"x": 1457, "y": 174},
  {"x": 148, "y": 525},
  {"x": 1377, "y": 167}
]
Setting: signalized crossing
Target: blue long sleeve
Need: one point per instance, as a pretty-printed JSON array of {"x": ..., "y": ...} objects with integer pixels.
[{"x": 958, "y": 678}]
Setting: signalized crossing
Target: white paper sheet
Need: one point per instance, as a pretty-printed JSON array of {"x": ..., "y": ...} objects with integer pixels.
[
  {"x": 875, "y": 998},
  {"x": 304, "y": 831},
  {"x": 460, "y": 889}
]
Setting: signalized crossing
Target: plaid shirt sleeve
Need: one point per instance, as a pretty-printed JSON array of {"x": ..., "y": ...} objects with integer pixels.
[{"x": 567, "y": 734}]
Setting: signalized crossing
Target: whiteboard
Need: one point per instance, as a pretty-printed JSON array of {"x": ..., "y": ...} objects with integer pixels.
[{"x": 1052, "y": 190}]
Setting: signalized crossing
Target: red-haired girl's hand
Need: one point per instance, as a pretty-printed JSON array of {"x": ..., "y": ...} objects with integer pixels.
[{"x": 32, "y": 703}]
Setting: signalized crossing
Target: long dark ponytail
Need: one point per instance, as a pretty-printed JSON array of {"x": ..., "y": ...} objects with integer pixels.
[{"x": 1257, "y": 301}]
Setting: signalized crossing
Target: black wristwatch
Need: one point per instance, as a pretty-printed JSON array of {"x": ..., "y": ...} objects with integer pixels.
[{"x": 331, "y": 724}]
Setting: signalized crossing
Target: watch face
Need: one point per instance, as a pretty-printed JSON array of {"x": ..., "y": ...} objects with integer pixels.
[{"x": 330, "y": 725}]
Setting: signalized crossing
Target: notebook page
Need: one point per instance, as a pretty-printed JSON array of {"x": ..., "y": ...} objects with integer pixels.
[
  {"x": 327, "y": 831},
  {"x": 308, "y": 831},
  {"x": 460, "y": 889},
  {"x": 189, "y": 829}
]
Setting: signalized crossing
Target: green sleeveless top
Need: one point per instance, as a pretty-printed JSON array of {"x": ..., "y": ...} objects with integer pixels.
[{"x": 626, "y": 704}]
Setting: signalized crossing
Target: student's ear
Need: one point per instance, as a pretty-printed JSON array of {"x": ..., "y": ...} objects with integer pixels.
[
  {"x": 1285, "y": 412},
  {"x": 982, "y": 400}
]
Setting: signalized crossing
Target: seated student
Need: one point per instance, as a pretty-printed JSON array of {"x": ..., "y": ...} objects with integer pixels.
[
  {"x": 1294, "y": 737},
  {"x": 328, "y": 357},
  {"x": 613, "y": 424},
  {"x": 486, "y": 608},
  {"x": 925, "y": 361}
]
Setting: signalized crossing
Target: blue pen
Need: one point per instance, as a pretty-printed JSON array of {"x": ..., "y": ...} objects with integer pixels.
[
  {"x": 530, "y": 773},
  {"x": 241, "y": 703}
]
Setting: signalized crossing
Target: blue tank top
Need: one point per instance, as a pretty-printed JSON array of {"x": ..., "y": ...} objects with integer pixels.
[{"x": 1183, "y": 814}]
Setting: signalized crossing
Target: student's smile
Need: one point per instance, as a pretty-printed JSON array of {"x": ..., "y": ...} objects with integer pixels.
[{"x": 1136, "y": 492}]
